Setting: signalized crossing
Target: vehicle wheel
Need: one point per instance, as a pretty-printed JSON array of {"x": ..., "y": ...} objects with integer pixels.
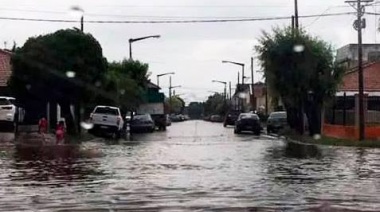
[
  {"x": 236, "y": 131},
  {"x": 224, "y": 125},
  {"x": 151, "y": 130},
  {"x": 256, "y": 132},
  {"x": 268, "y": 131}
]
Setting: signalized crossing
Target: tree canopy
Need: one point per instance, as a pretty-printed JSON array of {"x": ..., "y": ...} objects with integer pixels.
[
  {"x": 215, "y": 105},
  {"x": 63, "y": 67},
  {"x": 301, "y": 71}
]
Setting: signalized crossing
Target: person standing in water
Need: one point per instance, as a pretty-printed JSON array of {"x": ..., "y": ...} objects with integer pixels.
[{"x": 60, "y": 132}]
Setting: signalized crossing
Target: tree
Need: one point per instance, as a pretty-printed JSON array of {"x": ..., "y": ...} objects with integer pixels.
[
  {"x": 215, "y": 104},
  {"x": 301, "y": 71},
  {"x": 126, "y": 82},
  {"x": 63, "y": 67},
  {"x": 195, "y": 110},
  {"x": 177, "y": 104}
]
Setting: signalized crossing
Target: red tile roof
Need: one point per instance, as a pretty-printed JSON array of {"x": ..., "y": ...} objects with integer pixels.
[
  {"x": 5, "y": 67},
  {"x": 371, "y": 74}
]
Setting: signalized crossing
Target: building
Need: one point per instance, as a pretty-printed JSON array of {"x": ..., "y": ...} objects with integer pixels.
[
  {"x": 5, "y": 71},
  {"x": 371, "y": 76},
  {"x": 349, "y": 54}
]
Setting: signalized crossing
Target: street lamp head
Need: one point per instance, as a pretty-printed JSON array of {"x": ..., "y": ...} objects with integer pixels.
[
  {"x": 76, "y": 11},
  {"x": 160, "y": 75}
]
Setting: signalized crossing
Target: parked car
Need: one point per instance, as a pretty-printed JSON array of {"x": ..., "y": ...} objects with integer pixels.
[
  {"x": 231, "y": 118},
  {"x": 10, "y": 113},
  {"x": 248, "y": 122},
  {"x": 7, "y": 112},
  {"x": 142, "y": 123},
  {"x": 107, "y": 120},
  {"x": 276, "y": 121},
  {"x": 216, "y": 118},
  {"x": 168, "y": 121}
]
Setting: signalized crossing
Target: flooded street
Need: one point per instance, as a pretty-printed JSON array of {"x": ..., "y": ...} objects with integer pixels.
[{"x": 194, "y": 166}]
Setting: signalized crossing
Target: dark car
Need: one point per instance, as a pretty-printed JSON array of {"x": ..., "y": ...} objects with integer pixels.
[
  {"x": 142, "y": 123},
  {"x": 248, "y": 122},
  {"x": 231, "y": 118},
  {"x": 276, "y": 121}
]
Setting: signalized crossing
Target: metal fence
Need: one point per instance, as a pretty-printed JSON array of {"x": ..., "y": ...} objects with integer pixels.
[{"x": 341, "y": 111}]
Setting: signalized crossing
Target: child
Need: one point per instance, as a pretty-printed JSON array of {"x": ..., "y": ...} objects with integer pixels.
[
  {"x": 42, "y": 126},
  {"x": 60, "y": 132}
]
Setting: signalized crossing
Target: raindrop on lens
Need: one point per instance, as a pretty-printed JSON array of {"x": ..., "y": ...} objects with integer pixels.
[
  {"x": 86, "y": 125},
  {"x": 122, "y": 92},
  {"x": 98, "y": 84},
  {"x": 70, "y": 74},
  {"x": 299, "y": 48},
  {"x": 28, "y": 86}
]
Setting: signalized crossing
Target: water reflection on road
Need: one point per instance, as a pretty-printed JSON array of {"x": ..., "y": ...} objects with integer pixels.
[{"x": 195, "y": 165}]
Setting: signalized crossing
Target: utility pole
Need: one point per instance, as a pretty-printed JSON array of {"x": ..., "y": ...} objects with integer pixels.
[
  {"x": 230, "y": 90},
  {"x": 359, "y": 24},
  {"x": 253, "y": 86},
  {"x": 170, "y": 95},
  {"x": 296, "y": 24},
  {"x": 81, "y": 23}
]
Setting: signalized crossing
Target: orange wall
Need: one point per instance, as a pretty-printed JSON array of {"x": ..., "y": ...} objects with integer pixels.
[{"x": 350, "y": 132}]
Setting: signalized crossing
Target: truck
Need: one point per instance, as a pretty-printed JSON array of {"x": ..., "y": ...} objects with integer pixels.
[{"x": 158, "y": 112}]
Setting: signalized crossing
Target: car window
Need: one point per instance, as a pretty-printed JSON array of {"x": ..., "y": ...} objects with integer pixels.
[
  {"x": 107, "y": 111},
  {"x": 4, "y": 101},
  {"x": 142, "y": 117},
  {"x": 278, "y": 115},
  {"x": 248, "y": 116}
]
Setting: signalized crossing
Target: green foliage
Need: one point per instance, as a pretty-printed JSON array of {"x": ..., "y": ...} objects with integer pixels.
[
  {"x": 300, "y": 70},
  {"x": 125, "y": 84},
  {"x": 61, "y": 67},
  {"x": 215, "y": 105},
  {"x": 177, "y": 104},
  {"x": 195, "y": 110}
]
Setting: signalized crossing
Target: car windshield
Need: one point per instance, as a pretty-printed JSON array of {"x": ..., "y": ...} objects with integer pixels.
[
  {"x": 248, "y": 116},
  {"x": 107, "y": 111}
]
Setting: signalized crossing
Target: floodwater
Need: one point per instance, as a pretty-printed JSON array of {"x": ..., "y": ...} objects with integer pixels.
[{"x": 194, "y": 166}]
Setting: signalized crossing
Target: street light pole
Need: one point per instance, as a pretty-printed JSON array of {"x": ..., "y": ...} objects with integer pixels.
[
  {"x": 160, "y": 75},
  {"x": 225, "y": 87},
  {"x": 138, "y": 39},
  {"x": 296, "y": 14},
  {"x": 81, "y": 23}
]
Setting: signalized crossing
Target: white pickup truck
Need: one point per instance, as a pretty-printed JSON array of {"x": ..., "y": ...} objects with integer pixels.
[
  {"x": 10, "y": 114},
  {"x": 107, "y": 119}
]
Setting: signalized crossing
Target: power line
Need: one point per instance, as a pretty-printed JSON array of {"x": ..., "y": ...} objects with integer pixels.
[{"x": 176, "y": 21}]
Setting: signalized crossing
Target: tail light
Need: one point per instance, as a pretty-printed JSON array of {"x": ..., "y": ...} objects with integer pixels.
[{"x": 118, "y": 120}]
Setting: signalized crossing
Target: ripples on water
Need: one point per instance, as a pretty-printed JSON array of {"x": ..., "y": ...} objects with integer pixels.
[{"x": 202, "y": 168}]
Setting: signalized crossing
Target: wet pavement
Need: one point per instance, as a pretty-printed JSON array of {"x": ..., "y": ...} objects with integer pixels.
[{"x": 194, "y": 166}]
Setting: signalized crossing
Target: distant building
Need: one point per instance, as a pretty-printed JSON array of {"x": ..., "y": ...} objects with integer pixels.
[
  {"x": 5, "y": 71},
  {"x": 349, "y": 54}
]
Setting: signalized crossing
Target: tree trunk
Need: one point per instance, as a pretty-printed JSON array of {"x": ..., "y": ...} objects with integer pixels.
[{"x": 70, "y": 124}]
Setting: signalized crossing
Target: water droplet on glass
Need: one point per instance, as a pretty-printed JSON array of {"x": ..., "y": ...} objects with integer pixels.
[
  {"x": 299, "y": 48},
  {"x": 28, "y": 86},
  {"x": 122, "y": 92},
  {"x": 98, "y": 84},
  {"x": 87, "y": 125},
  {"x": 70, "y": 74}
]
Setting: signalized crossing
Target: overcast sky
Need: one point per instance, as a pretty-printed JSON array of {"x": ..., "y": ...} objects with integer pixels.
[{"x": 193, "y": 51}]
